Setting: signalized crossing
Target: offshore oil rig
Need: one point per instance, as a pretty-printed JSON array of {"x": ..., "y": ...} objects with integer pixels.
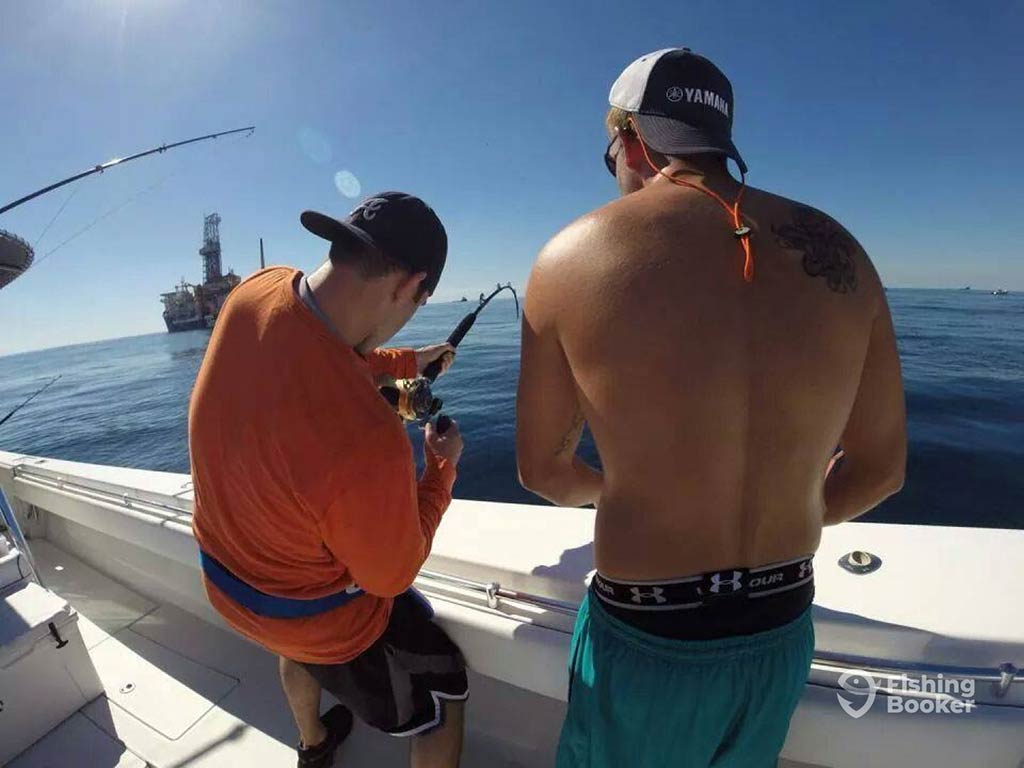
[{"x": 191, "y": 307}]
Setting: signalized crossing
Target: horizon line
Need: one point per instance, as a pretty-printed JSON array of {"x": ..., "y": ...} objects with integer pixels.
[{"x": 5, "y": 355}]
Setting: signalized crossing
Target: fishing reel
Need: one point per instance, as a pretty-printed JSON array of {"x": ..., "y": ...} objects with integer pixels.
[{"x": 413, "y": 399}]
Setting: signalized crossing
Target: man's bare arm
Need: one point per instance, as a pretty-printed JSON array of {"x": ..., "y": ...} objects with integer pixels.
[
  {"x": 572, "y": 436},
  {"x": 549, "y": 418},
  {"x": 875, "y": 439}
]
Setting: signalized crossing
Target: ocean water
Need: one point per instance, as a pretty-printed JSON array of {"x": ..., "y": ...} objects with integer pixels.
[{"x": 124, "y": 402}]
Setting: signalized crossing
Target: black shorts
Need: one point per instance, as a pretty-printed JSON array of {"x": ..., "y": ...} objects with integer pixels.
[{"x": 397, "y": 685}]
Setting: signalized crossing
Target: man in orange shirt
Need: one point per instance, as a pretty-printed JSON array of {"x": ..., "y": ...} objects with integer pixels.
[{"x": 311, "y": 523}]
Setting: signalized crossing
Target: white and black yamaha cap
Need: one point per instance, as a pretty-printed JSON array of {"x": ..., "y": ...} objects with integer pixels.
[{"x": 682, "y": 103}]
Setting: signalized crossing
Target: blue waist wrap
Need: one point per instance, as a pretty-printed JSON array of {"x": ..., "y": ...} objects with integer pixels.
[{"x": 270, "y": 606}]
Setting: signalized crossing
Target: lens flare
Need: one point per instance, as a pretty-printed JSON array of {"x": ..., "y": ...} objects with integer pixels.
[{"x": 347, "y": 184}]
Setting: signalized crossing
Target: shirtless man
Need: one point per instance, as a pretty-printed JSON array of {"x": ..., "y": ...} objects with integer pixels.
[{"x": 719, "y": 347}]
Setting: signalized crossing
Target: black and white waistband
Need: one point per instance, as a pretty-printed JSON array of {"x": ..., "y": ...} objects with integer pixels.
[{"x": 706, "y": 588}]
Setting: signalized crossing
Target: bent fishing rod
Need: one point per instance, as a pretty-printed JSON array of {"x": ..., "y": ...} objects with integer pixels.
[
  {"x": 413, "y": 398},
  {"x": 119, "y": 160}
]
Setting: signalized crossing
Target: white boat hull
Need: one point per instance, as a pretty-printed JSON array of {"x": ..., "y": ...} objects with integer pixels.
[{"x": 504, "y": 580}]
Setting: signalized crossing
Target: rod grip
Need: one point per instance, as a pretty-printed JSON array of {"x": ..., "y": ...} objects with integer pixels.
[
  {"x": 462, "y": 329},
  {"x": 432, "y": 371}
]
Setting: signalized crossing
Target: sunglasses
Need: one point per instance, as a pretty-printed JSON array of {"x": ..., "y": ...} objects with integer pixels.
[{"x": 609, "y": 158}]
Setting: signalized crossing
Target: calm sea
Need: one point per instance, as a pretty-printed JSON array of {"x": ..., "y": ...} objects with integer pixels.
[{"x": 124, "y": 402}]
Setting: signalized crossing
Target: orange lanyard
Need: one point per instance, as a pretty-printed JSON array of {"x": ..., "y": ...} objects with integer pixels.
[{"x": 742, "y": 231}]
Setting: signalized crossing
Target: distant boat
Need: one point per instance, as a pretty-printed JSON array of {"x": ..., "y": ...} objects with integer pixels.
[
  {"x": 1000, "y": 292},
  {"x": 15, "y": 256},
  {"x": 966, "y": 288},
  {"x": 463, "y": 299}
]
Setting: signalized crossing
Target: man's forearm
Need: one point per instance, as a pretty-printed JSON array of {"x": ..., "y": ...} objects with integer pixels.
[
  {"x": 575, "y": 484},
  {"x": 850, "y": 491}
]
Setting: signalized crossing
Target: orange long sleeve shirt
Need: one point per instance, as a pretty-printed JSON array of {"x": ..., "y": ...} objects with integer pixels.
[{"x": 304, "y": 477}]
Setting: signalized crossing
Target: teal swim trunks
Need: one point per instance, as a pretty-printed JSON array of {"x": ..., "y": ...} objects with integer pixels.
[{"x": 638, "y": 700}]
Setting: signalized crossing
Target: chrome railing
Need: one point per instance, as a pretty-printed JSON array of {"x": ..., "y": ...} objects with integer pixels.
[{"x": 496, "y": 597}]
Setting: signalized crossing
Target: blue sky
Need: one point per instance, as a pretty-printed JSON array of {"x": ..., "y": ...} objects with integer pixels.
[{"x": 900, "y": 119}]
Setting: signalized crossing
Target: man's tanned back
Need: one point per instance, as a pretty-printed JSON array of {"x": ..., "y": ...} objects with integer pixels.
[
  {"x": 720, "y": 341},
  {"x": 716, "y": 404}
]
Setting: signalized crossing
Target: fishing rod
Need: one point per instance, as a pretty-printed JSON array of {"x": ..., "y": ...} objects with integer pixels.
[
  {"x": 413, "y": 398},
  {"x": 432, "y": 371},
  {"x": 118, "y": 161},
  {"x": 30, "y": 398}
]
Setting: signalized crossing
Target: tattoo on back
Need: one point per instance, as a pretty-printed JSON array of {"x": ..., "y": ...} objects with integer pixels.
[{"x": 828, "y": 248}]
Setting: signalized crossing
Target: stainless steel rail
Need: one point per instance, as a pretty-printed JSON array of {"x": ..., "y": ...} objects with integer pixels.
[
  {"x": 101, "y": 492},
  {"x": 494, "y": 595}
]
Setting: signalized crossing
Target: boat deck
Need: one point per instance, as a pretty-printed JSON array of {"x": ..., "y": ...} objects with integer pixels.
[{"x": 182, "y": 692}]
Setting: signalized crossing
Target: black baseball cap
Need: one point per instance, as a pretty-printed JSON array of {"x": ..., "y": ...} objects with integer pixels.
[
  {"x": 400, "y": 226},
  {"x": 682, "y": 103}
]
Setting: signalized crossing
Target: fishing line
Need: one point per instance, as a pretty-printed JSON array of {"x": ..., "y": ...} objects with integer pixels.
[
  {"x": 60, "y": 210},
  {"x": 106, "y": 215},
  {"x": 103, "y": 216}
]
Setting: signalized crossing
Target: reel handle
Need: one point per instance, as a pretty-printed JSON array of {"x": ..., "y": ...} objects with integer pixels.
[{"x": 443, "y": 422}]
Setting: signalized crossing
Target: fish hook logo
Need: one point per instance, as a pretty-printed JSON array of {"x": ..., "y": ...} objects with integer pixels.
[{"x": 871, "y": 691}]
